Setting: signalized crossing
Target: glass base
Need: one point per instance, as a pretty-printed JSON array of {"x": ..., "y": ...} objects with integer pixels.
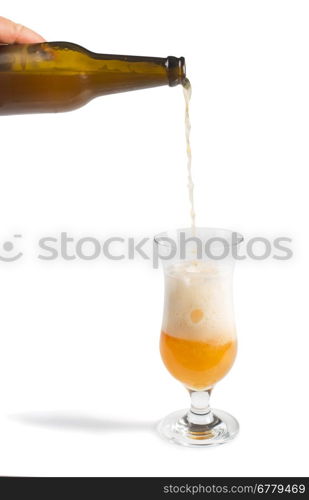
[{"x": 188, "y": 429}]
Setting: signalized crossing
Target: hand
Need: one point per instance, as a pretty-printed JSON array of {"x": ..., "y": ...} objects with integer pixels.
[{"x": 17, "y": 33}]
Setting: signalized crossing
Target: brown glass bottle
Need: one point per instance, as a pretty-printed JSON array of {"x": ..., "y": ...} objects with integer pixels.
[{"x": 62, "y": 76}]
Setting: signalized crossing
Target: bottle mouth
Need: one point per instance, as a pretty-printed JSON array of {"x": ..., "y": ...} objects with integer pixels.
[{"x": 176, "y": 70}]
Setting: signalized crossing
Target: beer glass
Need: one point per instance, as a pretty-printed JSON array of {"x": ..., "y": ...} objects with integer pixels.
[{"x": 198, "y": 338}]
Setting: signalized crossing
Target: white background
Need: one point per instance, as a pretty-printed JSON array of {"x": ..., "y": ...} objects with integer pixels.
[{"x": 82, "y": 383}]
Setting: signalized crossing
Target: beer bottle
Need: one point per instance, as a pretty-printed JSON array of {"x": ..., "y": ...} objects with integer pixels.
[{"x": 62, "y": 76}]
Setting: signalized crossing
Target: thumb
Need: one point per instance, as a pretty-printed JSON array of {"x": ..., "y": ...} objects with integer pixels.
[{"x": 17, "y": 33}]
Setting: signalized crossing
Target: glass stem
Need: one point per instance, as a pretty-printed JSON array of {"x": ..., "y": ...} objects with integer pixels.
[{"x": 200, "y": 412}]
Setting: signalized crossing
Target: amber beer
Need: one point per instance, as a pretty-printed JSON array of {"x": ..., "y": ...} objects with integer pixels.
[
  {"x": 62, "y": 76},
  {"x": 196, "y": 363},
  {"x": 198, "y": 340}
]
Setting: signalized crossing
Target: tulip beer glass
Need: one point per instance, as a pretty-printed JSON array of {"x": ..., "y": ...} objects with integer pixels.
[{"x": 198, "y": 339}]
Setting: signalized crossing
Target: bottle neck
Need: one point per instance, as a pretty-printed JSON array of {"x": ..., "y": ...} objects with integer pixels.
[
  {"x": 124, "y": 73},
  {"x": 176, "y": 70}
]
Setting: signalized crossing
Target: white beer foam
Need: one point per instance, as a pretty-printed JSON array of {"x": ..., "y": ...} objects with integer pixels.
[{"x": 198, "y": 303}]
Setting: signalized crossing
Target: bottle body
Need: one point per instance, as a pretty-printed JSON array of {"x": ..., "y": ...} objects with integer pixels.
[{"x": 61, "y": 76}]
